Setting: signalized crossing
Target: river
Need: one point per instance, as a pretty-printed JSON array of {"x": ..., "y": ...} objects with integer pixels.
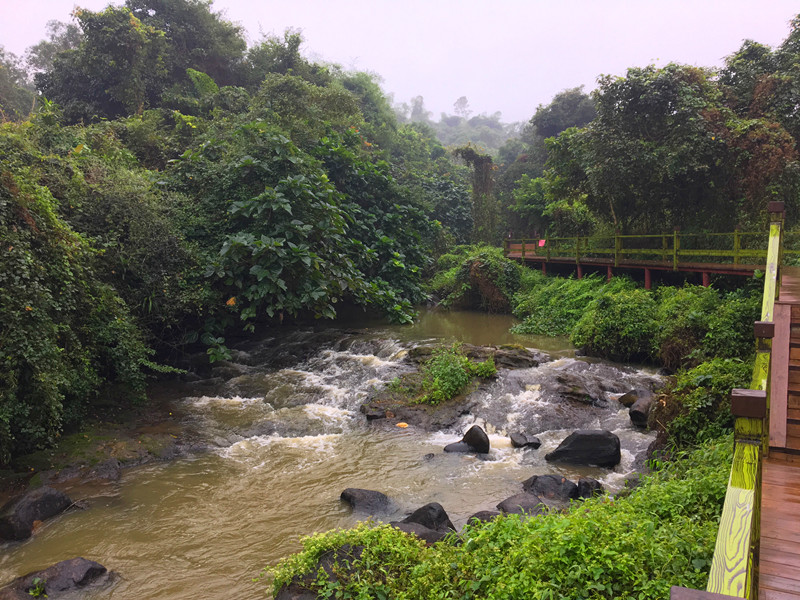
[{"x": 285, "y": 441}]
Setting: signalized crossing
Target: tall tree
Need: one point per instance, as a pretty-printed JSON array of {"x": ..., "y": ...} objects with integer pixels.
[
  {"x": 196, "y": 37},
  {"x": 117, "y": 70},
  {"x": 16, "y": 98}
]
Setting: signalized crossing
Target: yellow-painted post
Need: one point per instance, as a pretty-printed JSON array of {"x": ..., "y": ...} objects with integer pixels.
[
  {"x": 737, "y": 245},
  {"x": 617, "y": 248},
  {"x": 676, "y": 241},
  {"x": 734, "y": 566}
]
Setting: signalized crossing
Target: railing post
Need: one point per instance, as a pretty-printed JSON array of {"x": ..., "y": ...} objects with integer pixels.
[
  {"x": 737, "y": 245},
  {"x": 676, "y": 242},
  {"x": 617, "y": 248},
  {"x": 777, "y": 213},
  {"x": 523, "y": 250}
]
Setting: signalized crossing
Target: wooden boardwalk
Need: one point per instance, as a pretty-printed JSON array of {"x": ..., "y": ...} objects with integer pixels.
[{"x": 779, "y": 564}]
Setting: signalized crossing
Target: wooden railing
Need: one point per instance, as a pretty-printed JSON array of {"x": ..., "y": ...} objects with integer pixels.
[
  {"x": 734, "y": 569},
  {"x": 674, "y": 248}
]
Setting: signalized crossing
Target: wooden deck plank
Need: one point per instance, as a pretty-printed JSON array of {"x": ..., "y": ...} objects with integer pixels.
[
  {"x": 779, "y": 382},
  {"x": 779, "y": 569}
]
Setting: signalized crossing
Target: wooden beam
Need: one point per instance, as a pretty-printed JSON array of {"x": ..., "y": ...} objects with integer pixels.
[
  {"x": 681, "y": 593},
  {"x": 779, "y": 375},
  {"x": 751, "y": 404},
  {"x": 732, "y": 568}
]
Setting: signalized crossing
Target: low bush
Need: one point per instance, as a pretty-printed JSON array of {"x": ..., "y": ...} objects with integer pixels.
[
  {"x": 448, "y": 372},
  {"x": 618, "y": 325},
  {"x": 553, "y": 305},
  {"x": 697, "y": 323},
  {"x": 696, "y": 406}
]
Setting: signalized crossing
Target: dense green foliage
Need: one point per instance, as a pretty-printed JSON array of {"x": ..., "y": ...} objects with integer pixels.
[
  {"x": 174, "y": 188},
  {"x": 662, "y": 534},
  {"x": 554, "y": 305},
  {"x": 476, "y": 277}
]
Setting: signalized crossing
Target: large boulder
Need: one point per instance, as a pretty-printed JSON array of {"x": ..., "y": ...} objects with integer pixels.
[
  {"x": 523, "y": 504},
  {"x": 640, "y": 410},
  {"x": 475, "y": 440},
  {"x": 551, "y": 487},
  {"x": 368, "y": 501},
  {"x": 521, "y": 440},
  {"x": 67, "y": 577},
  {"x": 18, "y": 515},
  {"x": 429, "y": 523},
  {"x": 588, "y": 447},
  {"x": 432, "y": 516}
]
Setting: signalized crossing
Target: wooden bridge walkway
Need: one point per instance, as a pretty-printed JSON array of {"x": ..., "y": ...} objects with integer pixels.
[
  {"x": 735, "y": 253},
  {"x": 779, "y": 561},
  {"x": 757, "y": 554}
]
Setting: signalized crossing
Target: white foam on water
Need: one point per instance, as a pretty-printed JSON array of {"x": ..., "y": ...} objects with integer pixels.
[
  {"x": 226, "y": 402},
  {"x": 329, "y": 414},
  {"x": 246, "y": 449}
]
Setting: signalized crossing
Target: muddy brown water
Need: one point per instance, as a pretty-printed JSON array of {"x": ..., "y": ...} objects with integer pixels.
[{"x": 284, "y": 442}]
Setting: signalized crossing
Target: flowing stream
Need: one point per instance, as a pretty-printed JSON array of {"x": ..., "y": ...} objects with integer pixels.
[{"x": 285, "y": 437}]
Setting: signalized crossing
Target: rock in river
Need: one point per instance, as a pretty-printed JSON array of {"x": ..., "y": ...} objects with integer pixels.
[
  {"x": 67, "y": 577},
  {"x": 640, "y": 410},
  {"x": 429, "y": 523},
  {"x": 523, "y": 504},
  {"x": 588, "y": 447},
  {"x": 18, "y": 515},
  {"x": 475, "y": 440},
  {"x": 368, "y": 501},
  {"x": 521, "y": 440},
  {"x": 551, "y": 487}
]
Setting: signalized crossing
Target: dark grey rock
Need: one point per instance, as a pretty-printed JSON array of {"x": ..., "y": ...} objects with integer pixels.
[
  {"x": 551, "y": 487},
  {"x": 475, "y": 440},
  {"x": 483, "y": 516},
  {"x": 429, "y": 456},
  {"x": 432, "y": 516},
  {"x": 458, "y": 447},
  {"x": 428, "y": 535},
  {"x": 588, "y": 487},
  {"x": 108, "y": 470},
  {"x": 368, "y": 501},
  {"x": 588, "y": 447},
  {"x": 523, "y": 504},
  {"x": 640, "y": 410},
  {"x": 17, "y": 515},
  {"x": 521, "y": 440},
  {"x": 65, "y": 577}
]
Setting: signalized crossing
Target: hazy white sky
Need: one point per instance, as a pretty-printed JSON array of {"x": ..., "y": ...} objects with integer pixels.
[{"x": 506, "y": 55}]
